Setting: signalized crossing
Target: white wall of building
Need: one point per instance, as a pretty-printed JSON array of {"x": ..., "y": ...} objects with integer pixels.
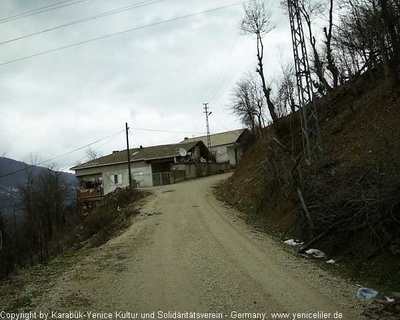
[
  {"x": 116, "y": 176},
  {"x": 142, "y": 173},
  {"x": 226, "y": 153},
  {"x": 231, "y": 155},
  {"x": 221, "y": 153}
]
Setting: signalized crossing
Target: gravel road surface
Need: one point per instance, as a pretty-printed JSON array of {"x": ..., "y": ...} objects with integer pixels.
[{"x": 187, "y": 251}]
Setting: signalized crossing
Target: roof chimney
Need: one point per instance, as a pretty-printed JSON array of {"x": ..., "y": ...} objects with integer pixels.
[{"x": 186, "y": 138}]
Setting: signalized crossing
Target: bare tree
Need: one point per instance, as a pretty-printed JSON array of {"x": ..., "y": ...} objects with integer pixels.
[
  {"x": 331, "y": 65},
  {"x": 310, "y": 10},
  {"x": 92, "y": 154},
  {"x": 257, "y": 21},
  {"x": 285, "y": 90},
  {"x": 370, "y": 29},
  {"x": 6, "y": 259},
  {"x": 44, "y": 198},
  {"x": 248, "y": 103}
]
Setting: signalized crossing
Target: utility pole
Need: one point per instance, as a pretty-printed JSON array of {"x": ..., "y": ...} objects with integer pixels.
[
  {"x": 207, "y": 112},
  {"x": 129, "y": 155},
  {"x": 312, "y": 146}
]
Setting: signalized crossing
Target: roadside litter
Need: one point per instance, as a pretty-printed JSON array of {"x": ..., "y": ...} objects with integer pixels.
[
  {"x": 292, "y": 242},
  {"x": 366, "y": 293},
  {"x": 318, "y": 254}
]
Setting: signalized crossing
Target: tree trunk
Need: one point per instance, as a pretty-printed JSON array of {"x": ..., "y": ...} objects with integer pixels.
[
  {"x": 329, "y": 57},
  {"x": 389, "y": 18},
  {"x": 260, "y": 70},
  {"x": 317, "y": 61},
  {"x": 270, "y": 104}
]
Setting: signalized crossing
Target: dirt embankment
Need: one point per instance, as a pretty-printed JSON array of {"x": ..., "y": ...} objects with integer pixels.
[
  {"x": 111, "y": 217},
  {"x": 355, "y": 188}
]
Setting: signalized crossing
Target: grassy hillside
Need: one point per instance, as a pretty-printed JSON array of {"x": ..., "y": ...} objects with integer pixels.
[
  {"x": 353, "y": 195},
  {"x": 21, "y": 290}
]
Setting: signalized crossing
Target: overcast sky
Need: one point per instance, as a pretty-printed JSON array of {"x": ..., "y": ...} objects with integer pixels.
[{"x": 153, "y": 78}]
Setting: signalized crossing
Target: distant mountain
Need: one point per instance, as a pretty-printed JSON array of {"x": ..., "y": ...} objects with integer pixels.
[{"x": 13, "y": 174}]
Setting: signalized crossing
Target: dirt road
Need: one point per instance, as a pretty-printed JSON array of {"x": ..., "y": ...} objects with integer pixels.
[{"x": 188, "y": 252}]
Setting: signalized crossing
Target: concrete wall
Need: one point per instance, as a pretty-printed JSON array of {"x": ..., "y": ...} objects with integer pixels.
[
  {"x": 141, "y": 172},
  {"x": 232, "y": 156},
  {"x": 184, "y": 171},
  {"x": 221, "y": 153},
  {"x": 227, "y": 153}
]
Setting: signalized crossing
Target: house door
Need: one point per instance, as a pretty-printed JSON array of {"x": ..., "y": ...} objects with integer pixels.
[
  {"x": 161, "y": 179},
  {"x": 236, "y": 157}
]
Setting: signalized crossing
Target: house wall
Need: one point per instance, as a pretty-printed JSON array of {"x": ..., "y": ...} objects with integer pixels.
[
  {"x": 142, "y": 173},
  {"x": 140, "y": 170},
  {"x": 221, "y": 153},
  {"x": 184, "y": 171},
  {"x": 231, "y": 154},
  {"x": 226, "y": 153}
]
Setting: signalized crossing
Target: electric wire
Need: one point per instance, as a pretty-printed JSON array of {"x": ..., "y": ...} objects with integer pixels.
[
  {"x": 119, "y": 33},
  {"x": 59, "y": 156},
  {"x": 228, "y": 56},
  {"x": 85, "y": 156},
  {"x": 38, "y": 11},
  {"x": 229, "y": 74},
  {"x": 133, "y": 137},
  {"x": 98, "y": 16},
  {"x": 169, "y": 131},
  {"x": 110, "y": 137}
]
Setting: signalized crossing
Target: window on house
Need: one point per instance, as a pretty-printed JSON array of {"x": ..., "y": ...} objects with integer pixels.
[
  {"x": 116, "y": 178},
  {"x": 138, "y": 175}
]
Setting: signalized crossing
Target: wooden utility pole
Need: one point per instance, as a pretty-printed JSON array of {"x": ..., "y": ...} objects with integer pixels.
[{"x": 129, "y": 155}]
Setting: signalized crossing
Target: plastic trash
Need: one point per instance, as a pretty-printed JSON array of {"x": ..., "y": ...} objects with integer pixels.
[
  {"x": 366, "y": 293},
  {"x": 331, "y": 261},
  {"x": 316, "y": 253},
  {"x": 390, "y": 300},
  {"x": 291, "y": 242}
]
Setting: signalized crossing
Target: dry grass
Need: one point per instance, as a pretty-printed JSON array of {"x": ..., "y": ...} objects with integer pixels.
[{"x": 356, "y": 188}]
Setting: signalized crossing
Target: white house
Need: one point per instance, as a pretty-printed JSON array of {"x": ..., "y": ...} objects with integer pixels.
[
  {"x": 150, "y": 166},
  {"x": 226, "y": 146}
]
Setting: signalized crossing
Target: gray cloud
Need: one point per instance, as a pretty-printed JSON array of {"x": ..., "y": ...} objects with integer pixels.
[{"x": 156, "y": 77}]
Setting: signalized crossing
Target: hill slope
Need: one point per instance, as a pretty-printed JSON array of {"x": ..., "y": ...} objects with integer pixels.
[
  {"x": 9, "y": 184},
  {"x": 352, "y": 196}
]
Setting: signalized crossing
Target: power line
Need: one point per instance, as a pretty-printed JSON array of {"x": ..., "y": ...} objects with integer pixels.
[
  {"x": 109, "y": 140},
  {"x": 222, "y": 76},
  {"x": 119, "y": 33},
  {"x": 98, "y": 16},
  {"x": 37, "y": 9},
  {"x": 40, "y": 10},
  {"x": 110, "y": 137},
  {"x": 133, "y": 137},
  {"x": 228, "y": 76},
  {"x": 60, "y": 156},
  {"x": 170, "y": 131}
]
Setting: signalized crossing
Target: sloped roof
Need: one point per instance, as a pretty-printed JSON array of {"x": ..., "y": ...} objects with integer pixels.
[
  {"x": 139, "y": 154},
  {"x": 219, "y": 139}
]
